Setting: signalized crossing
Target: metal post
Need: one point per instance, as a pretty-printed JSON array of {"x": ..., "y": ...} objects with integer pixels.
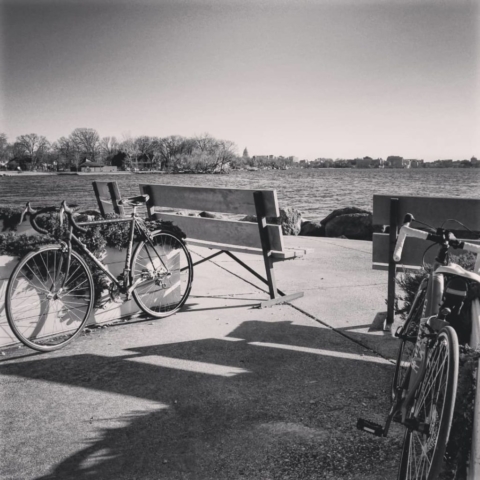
[{"x": 392, "y": 266}]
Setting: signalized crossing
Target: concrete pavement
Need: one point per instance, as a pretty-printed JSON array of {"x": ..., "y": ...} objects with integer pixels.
[{"x": 220, "y": 390}]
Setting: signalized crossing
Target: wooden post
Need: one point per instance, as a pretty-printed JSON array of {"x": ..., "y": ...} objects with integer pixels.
[
  {"x": 108, "y": 195},
  {"x": 267, "y": 258},
  {"x": 392, "y": 266},
  {"x": 115, "y": 196}
]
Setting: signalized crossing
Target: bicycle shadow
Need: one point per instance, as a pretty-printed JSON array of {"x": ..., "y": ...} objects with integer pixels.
[{"x": 269, "y": 396}]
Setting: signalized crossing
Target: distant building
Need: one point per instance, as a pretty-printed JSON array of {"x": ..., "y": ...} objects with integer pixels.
[
  {"x": 365, "y": 162},
  {"x": 397, "y": 162},
  {"x": 144, "y": 163},
  {"x": 263, "y": 157},
  {"x": 414, "y": 163},
  {"x": 88, "y": 166}
]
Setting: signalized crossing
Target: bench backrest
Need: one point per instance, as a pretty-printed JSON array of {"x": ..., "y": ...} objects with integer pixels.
[
  {"x": 431, "y": 210},
  {"x": 227, "y": 233},
  {"x": 108, "y": 194}
]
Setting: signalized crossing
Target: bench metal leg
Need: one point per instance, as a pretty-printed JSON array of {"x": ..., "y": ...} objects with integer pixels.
[
  {"x": 207, "y": 258},
  {"x": 279, "y": 300}
]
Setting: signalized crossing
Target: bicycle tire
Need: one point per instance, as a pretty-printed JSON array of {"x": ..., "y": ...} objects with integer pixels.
[
  {"x": 42, "y": 314},
  {"x": 166, "y": 265},
  {"x": 422, "y": 454},
  {"x": 405, "y": 350}
]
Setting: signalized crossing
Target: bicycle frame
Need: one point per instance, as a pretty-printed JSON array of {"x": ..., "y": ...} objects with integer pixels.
[
  {"x": 428, "y": 331},
  {"x": 125, "y": 286}
]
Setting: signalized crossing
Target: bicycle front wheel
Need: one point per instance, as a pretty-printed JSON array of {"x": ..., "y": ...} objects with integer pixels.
[
  {"x": 407, "y": 345},
  {"x": 163, "y": 269},
  {"x": 49, "y": 299},
  {"x": 424, "y": 445}
]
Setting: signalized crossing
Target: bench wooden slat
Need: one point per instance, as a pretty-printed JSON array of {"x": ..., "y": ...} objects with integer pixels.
[
  {"x": 108, "y": 194},
  {"x": 412, "y": 253},
  {"x": 223, "y": 200},
  {"x": 227, "y": 232},
  {"x": 433, "y": 210},
  {"x": 276, "y": 256}
]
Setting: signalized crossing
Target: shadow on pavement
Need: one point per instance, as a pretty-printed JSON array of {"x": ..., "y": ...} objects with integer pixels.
[{"x": 239, "y": 407}]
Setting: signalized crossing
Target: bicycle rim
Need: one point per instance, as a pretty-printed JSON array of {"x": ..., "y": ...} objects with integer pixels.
[
  {"x": 47, "y": 306},
  {"x": 165, "y": 271},
  {"x": 422, "y": 455}
]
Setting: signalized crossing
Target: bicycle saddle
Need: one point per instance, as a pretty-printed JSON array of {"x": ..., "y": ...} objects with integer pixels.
[{"x": 134, "y": 201}]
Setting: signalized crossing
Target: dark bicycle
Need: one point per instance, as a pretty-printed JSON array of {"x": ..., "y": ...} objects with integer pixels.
[{"x": 50, "y": 294}]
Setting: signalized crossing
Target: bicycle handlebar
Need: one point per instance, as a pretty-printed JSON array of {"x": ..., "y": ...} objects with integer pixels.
[
  {"x": 33, "y": 215},
  {"x": 69, "y": 211},
  {"x": 62, "y": 210},
  {"x": 402, "y": 236},
  {"x": 442, "y": 237}
]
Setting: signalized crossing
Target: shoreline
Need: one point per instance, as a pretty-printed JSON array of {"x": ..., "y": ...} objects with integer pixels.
[{"x": 52, "y": 174}]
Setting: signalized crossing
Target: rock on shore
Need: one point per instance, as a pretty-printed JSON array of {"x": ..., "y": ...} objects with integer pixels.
[{"x": 349, "y": 222}]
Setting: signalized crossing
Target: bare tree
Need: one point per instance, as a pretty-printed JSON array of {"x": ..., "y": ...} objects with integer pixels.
[
  {"x": 86, "y": 141},
  {"x": 6, "y": 150},
  {"x": 108, "y": 146},
  {"x": 131, "y": 150},
  {"x": 172, "y": 149},
  {"x": 68, "y": 151},
  {"x": 225, "y": 153},
  {"x": 32, "y": 146}
]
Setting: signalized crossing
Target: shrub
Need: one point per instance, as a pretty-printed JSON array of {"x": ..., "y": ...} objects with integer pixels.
[{"x": 10, "y": 217}]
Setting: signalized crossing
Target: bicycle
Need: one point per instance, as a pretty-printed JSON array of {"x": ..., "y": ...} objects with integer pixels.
[
  {"x": 425, "y": 381},
  {"x": 50, "y": 293}
]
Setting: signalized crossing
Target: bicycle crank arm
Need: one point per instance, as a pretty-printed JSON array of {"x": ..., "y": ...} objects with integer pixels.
[{"x": 133, "y": 287}]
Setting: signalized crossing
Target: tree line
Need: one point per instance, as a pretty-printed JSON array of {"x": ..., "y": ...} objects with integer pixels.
[{"x": 203, "y": 153}]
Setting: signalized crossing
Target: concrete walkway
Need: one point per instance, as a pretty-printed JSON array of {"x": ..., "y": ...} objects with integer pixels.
[{"x": 220, "y": 390}]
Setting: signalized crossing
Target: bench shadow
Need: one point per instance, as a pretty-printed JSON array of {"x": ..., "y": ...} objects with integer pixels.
[{"x": 234, "y": 406}]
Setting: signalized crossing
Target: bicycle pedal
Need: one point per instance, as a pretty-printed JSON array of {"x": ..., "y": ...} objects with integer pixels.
[{"x": 370, "y": 427}]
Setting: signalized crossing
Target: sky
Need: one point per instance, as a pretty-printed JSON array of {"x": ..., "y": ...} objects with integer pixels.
[{"x": 309, "y": 78}]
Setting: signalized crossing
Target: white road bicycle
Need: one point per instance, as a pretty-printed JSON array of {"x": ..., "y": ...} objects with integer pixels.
[{"x": 426, "y": 373}]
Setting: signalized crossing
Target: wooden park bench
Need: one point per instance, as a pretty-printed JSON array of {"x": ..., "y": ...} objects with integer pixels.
[
  {"x": 226, "y": 235},
  {"x": 108, "y": 195},
  {"x": 390, "y": 211}
]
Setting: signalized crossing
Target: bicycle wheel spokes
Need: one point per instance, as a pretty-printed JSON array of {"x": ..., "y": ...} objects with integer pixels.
[
  {"x": 46, "y": 305},
  {"x": 433, "y": 411},
  {"x": 164, "y": 271}
]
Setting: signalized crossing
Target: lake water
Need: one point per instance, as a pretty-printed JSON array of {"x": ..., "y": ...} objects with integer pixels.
[{"x": 315, "y": 192}]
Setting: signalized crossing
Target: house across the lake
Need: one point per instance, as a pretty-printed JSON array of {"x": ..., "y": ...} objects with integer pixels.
[{"x": 88, "y": 166}]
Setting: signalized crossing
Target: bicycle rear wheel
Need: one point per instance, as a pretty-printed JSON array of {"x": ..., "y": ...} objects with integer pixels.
[
  {"x": 165, "y": 271},
  {"x": 407, "y": 345},
  {"x": 46, "y": 305},
  {"x": 422, "y": 454}
]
